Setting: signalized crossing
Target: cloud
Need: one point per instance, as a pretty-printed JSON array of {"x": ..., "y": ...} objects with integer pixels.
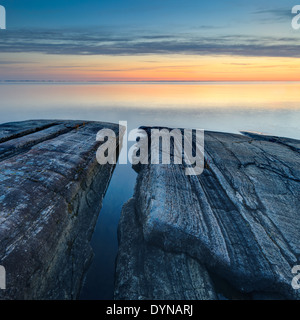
[
  {"x": 62, "y": 42},
  {"x": 276, "y": 15},
  {"x": 9, "y": 62}
]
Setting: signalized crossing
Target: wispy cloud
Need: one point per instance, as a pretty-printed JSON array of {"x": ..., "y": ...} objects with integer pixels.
[
  {"x": 62, "y": 42},
  {"x": 10, "y": 62},
  {"x": 276, "y": 15}
]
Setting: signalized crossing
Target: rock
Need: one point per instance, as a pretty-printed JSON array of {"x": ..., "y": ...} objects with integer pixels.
[
  {"x": 239, "y": 222},
  {"x": 147, "y": 272},
  {"x": 50, "y": 196}
]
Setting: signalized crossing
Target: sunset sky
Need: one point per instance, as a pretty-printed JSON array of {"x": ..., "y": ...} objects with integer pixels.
[{"x": 157, "y": 40}]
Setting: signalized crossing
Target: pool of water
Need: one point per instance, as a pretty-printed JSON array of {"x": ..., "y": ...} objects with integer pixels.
[{"x": 99, "y": 282}]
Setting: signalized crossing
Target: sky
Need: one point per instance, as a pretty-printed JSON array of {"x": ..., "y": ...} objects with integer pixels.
[{"x": 157, "y": 40}]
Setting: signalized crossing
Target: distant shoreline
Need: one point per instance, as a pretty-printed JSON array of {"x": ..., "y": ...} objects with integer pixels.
[{"x": 144, "y": 81}]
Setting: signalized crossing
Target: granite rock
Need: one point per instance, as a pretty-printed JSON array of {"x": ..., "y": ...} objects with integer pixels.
[
  {"x": 239, "y": 221},
  {"x": 147, "y": 272},
  {"x": 50, "y": 196}
]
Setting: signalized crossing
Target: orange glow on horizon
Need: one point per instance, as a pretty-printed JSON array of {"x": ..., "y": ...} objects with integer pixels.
[
  {"x": 164, "y": 96},
  {"x": 156, "y": 68}
]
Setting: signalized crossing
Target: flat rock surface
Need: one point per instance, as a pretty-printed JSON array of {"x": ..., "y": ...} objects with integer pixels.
[
  {"x": 239, "y": 220},
  {"x": 51, "y": 192}
]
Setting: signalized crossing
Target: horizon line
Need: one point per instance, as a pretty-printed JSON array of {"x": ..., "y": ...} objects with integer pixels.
[{"x": 135, "y": 81}]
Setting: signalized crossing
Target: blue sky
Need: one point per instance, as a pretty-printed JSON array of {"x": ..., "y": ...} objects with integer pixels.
[{"x": 155, "y": 14}]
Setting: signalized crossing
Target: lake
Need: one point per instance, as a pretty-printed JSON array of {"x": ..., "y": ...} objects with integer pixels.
[{"x": 271, "y": 108}]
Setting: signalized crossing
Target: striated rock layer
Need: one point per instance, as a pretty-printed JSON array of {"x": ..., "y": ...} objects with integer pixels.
[
  {"x": 50, "y": 196},
  {"x": 233, "y": 231},
  {"x": 147, "y": 271}
]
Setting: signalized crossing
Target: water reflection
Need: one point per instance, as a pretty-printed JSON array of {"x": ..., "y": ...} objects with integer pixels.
[
  {"x": 273, "y": 108},
  {"x": 99, "y": 282}
]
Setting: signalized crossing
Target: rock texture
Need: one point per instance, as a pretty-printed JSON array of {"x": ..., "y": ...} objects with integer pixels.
[
  {"x": 50, "y": 196},
  {"x": 146, "y": 271},
  {"x": 233, "y": 231}
]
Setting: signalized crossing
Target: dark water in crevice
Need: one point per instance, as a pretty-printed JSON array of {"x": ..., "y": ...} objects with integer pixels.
[{"x": 99, "y": 282}]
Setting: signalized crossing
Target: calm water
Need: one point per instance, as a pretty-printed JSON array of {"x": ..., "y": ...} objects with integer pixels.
[
  {"x": 272, "y": 108},
  {"x": 99, "y": 283}
]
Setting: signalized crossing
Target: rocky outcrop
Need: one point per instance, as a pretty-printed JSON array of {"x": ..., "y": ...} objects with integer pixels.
[
  {"x": 145, "y": 271},
  {"x": 233, "y": 231},
  {"x": 50, "y": 196}
]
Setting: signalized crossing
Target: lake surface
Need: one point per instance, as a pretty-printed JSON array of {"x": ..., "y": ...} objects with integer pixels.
[{"x": 271, "y": 108}]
